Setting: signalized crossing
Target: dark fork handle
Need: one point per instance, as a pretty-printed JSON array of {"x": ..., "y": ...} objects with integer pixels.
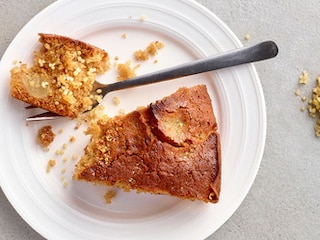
[{"x": 258, "y": 52}]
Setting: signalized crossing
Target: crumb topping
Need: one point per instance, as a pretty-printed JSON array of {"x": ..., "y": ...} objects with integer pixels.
[
  {"x": 61, "y": 79},
  {"x": 157, "y": 149}
]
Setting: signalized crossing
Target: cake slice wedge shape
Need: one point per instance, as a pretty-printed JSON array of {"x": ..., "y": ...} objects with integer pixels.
[{"x": 170, "y": 147}]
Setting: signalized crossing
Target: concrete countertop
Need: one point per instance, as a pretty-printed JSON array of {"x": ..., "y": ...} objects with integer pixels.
[{"x": 284, "y": 201}]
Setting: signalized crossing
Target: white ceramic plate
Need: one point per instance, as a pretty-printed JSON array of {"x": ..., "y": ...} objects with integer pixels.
[{"x": 78, "y": 210}]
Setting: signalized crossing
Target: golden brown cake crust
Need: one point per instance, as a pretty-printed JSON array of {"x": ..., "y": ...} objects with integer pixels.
[
  {"x": 62, "y": 76},
  {"x": 171, "y": 147}
]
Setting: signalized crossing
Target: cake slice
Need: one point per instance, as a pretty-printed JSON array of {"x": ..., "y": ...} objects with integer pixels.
[
  {"x": 170, "y": 147},
  {"x": 62, "y": 76}
]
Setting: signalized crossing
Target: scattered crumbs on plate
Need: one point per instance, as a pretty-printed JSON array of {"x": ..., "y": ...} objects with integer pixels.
[
  {"x": 72, "y": 139},
  {"x": 65, "y": 184},
  {"x": 122, "y": 111},
  {"x": 45, "y": 136},
  {"x": 126, "y": 71},
  {"x": 46, "y": 149},
  {"x": 141, "y": 55},
  {"x": 116, "y": 101},
  {"x": 109, "y": 195},
  {"x": 78, "y": 124},
  {"x": 59, "y": 152},
  {"x": 247, "y": 37},
  {"x": 51, "y": 164},
  {"x": 143, "y": 17},
  {"x": 63, "y": 179},
  {"x": 151, "y": 50},
  {"x": 75, "y": 156}
]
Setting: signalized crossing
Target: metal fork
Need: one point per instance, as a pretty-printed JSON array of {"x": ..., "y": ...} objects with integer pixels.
[{"x": 258, "y": 52}]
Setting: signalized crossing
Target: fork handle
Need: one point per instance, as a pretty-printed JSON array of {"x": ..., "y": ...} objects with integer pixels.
[{"x": 258, "y": 52}]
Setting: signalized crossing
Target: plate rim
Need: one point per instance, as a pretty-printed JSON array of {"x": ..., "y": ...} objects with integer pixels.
[{"x": 236, "y": 41}]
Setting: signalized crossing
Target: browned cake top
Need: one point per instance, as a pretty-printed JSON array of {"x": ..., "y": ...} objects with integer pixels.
[{"x": 170, "y": 147}]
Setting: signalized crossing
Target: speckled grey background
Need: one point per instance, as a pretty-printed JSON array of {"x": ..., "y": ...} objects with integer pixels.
[{"x": 283, "y": 202}]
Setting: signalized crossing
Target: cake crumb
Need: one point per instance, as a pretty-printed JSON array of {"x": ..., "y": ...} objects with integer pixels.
[
  {"x": 313, "y": 107},
  {"x": 141, "y": 55},
  {"x": 109, "y": 195},
  {"x": 45, "y": 136},
  {"x": 317, "y": 128},
  {"x": 247, "y": 37},
  {"x": 59, "y": 152},
  {"x": 151, "y": 50},
  {"x": 125, "y": 71},
  {"x": 154, "y": 47},
  {"x": 46, "y": 149},
  {"x": 314, "y": 103},
  {"x": 303, "y": 79},
  {"x": 124, "y": 36},
  {"x": 72, "y": 139},
  {"x": 78, "y": 124},
  {"x": 51, "y": 164},
  {"x": 122, "y": 111},
  {"x": 75, "y": 156},
  {"x": 116, "y": 101},
  {"x": 143, "y": 17}
]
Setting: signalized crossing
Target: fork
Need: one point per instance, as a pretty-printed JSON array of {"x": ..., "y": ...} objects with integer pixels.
[{"x": 243, "y": 55}]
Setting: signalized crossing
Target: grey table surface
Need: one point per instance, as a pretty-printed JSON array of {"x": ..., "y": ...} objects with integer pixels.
[{"x": 284, "y": 201}]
